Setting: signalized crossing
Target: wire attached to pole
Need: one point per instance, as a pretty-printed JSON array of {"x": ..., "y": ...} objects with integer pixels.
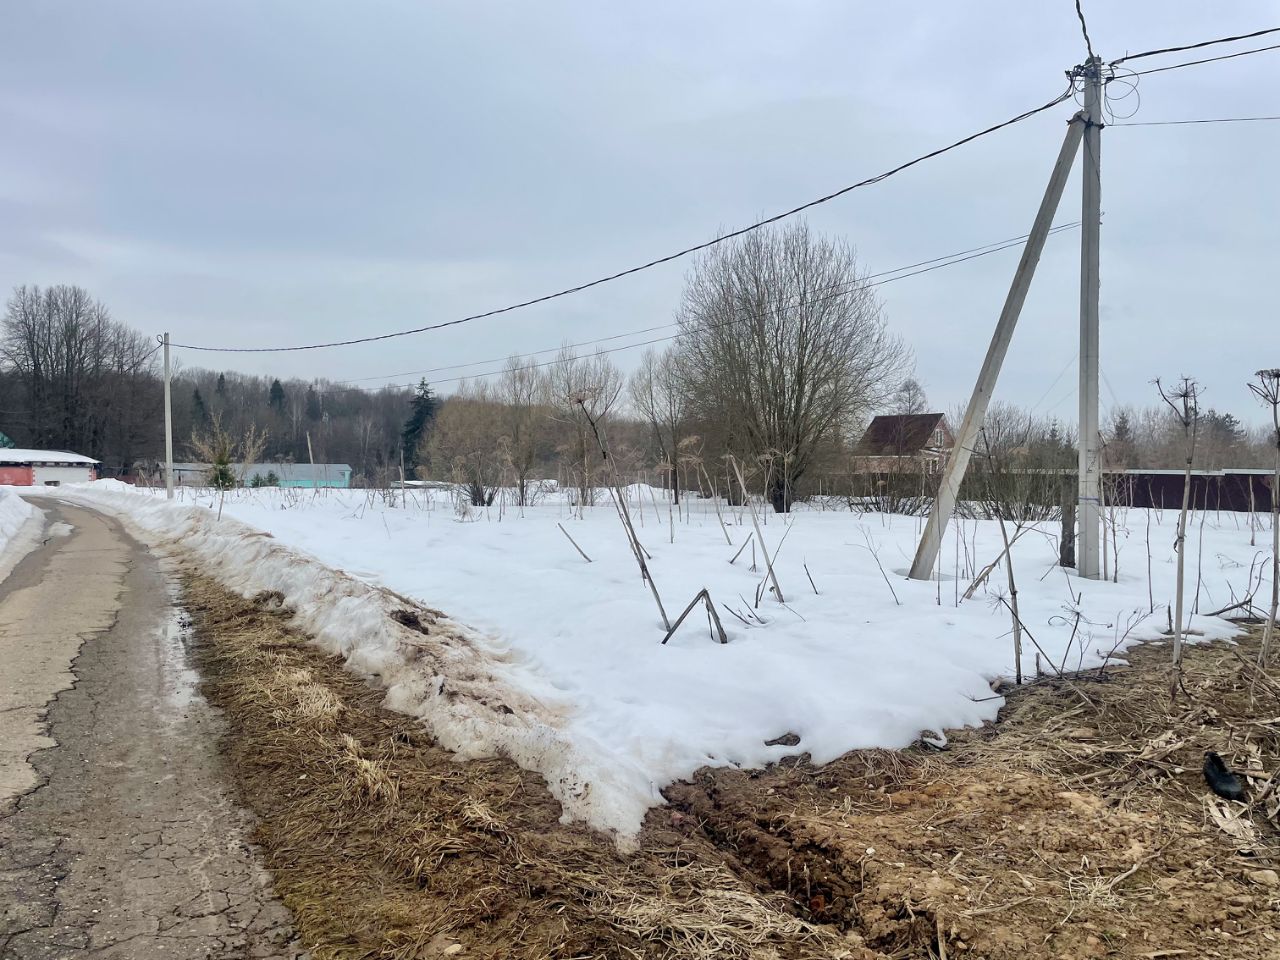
[
  {"x": 651, "y": 263},
  {"x": 1196, "y": 46}
]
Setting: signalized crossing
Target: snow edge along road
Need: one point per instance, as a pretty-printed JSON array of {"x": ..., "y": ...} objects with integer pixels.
[
  {"x": 468, "y": 691},
  {"x": 20, "y": 527}
]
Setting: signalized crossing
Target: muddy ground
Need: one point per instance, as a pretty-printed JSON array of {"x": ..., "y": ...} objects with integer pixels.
[{"x": 1077, "y": 826}]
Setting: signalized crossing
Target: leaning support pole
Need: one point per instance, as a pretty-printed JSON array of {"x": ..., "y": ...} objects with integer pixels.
[
  {"x": 944, "y": 504},
  {"x": 168, "y": 423}
]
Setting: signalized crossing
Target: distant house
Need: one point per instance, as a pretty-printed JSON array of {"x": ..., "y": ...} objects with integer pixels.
[
  {"x": 44, "y": 468},
  {"x": 305, "y": 475},
  {"x": 904, "y": 442}
]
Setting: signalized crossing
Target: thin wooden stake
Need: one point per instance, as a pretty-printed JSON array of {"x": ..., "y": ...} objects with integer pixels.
[
  {"x": 777, "y": 590},
  {"x": 743, "y": 547},
  {"x": 575, "y": 543}
]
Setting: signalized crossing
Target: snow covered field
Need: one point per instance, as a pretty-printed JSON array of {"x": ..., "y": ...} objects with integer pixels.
[{"x": 871, "y": 660}]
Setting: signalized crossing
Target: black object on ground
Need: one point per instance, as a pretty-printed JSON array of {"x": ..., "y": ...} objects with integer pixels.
[{"x": 1220, "y": 778}]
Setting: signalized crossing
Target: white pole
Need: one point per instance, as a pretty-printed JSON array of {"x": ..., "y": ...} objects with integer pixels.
[
  {"x": 1089, "y": 515},
  {"x": 168, "y": 423},
  {"x": 949, "y": 487}
]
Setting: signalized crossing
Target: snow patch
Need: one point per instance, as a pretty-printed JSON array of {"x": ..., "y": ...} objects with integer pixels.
[{"x": 560, "y": 667}]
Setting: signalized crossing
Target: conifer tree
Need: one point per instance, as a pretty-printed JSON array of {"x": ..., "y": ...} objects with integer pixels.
[
  {"x": 423, "y": 408},
  {"x": 276, "y": 397}
]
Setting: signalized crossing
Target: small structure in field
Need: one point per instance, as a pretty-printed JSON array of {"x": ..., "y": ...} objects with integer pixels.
[
  {"x": 303, "y": 475},
  {"x": 44, "y": 468},
  {"x": 904, "y": 443}
]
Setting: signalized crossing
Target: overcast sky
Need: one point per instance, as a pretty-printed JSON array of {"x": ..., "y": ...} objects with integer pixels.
[{"x": 268, "y": 173}]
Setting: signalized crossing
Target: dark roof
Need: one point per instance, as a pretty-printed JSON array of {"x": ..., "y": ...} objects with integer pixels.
[{"x": 898, "y": 435}]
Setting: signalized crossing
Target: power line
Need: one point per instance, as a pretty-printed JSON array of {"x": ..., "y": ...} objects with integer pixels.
[
  {"x": 1176, "y": 123},
  {"x": 657, "y": 261},
  {"x": 1195, "y": 46},
  {"x": 1193, "y": 63},
  {"x": 837, "y": 291},
  {"x": 961, "y": 256},
  {"x": 1084, "y": 28}
]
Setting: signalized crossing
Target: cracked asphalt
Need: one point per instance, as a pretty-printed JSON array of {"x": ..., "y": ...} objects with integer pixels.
[{"x": 119, "y": 835}]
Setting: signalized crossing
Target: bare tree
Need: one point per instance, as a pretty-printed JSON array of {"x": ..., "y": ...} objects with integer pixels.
[
  {"x": 522, "y": 391},
  {"x": 1267, "y": 389},
  {"x": 783, "y": 343},
  {"x": 464, "y": 445},
  {"x": 86, "y": 382},
  {"x": 657, "y": 396},
  {"x": 910, "y": 398},
  {"x": 583, "y": 391}
]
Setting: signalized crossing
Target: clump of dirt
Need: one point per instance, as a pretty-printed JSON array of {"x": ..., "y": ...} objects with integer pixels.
[
  {"x": 1080, "y": 825},
  {"x": 413, "y": 619},
  {"x": 383, "y": 845}
]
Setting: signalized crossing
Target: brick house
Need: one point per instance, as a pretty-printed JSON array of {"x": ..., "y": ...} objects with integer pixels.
[{"x": 904, "y": 443}]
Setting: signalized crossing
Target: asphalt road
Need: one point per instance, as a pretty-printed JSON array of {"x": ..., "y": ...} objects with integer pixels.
[{"x": 119, "y": 837}]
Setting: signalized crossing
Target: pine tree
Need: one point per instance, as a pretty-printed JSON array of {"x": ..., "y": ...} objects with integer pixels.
[
  {"x": 276, "y": 397},
  {"x": 221, "y": 388},
  {"x": 199, "y": 412},
  {"x": 315, "y": 409},
  {"x": 423, "y": 411}
]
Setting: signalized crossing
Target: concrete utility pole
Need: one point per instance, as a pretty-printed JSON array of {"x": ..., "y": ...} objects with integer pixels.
[
  {"x": 975, "y": 413},
  {"x": 1090, "y": 495},
  {"x": 168, "y": 423}
]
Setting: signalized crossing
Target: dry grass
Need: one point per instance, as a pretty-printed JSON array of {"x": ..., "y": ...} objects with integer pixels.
[
  {"x": 384, "y": 846},
  {"x": 1072, "y": 828}
]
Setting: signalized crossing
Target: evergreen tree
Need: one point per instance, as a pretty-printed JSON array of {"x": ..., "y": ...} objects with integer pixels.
[
  {"x": 221, "y": 388},
  {"x": 276, "y": 397},
  {"x": 199, "y": 412},
  {"x": 422, "y": 412},
  {"x": 315, "y": 409}
]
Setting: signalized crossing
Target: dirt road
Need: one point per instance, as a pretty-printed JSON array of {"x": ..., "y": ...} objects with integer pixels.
[{"x": 118, "y": 836}]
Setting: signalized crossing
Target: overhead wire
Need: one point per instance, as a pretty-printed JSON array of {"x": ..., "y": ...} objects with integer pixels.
[
  {"x": 1195, "y": 46},
  {"x": 657, "y": 261},
  {"x": 982, "y": 250},
  {"x": 1178, "y": 123},
  {"x": 1193, "y": 63},
  {"x": 1084, "y": 28},
  {"x": 837, "y": 290}
]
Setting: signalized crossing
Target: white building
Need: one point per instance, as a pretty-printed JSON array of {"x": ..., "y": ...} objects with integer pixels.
[{"x": 44, "y": 468}]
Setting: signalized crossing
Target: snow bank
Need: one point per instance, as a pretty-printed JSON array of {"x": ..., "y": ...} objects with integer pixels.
[
  {"x": 608, "y": 714},
  {"x": 470, "y": 694},
  {"x": 20, "y": 525}
]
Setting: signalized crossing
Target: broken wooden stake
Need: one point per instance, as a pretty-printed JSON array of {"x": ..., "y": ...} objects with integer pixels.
[{"x": 705, "y": 597}]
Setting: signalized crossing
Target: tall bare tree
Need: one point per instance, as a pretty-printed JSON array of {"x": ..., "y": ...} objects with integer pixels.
[
  {"x": 87, "y": 382},
  {"x": 583, "y": 390},
  {"x": 658, "y": 397},
  {"x": 464, "y": 443},
  {"x": 522, "y": 391},
  {"x": 783, "y": 343}
]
